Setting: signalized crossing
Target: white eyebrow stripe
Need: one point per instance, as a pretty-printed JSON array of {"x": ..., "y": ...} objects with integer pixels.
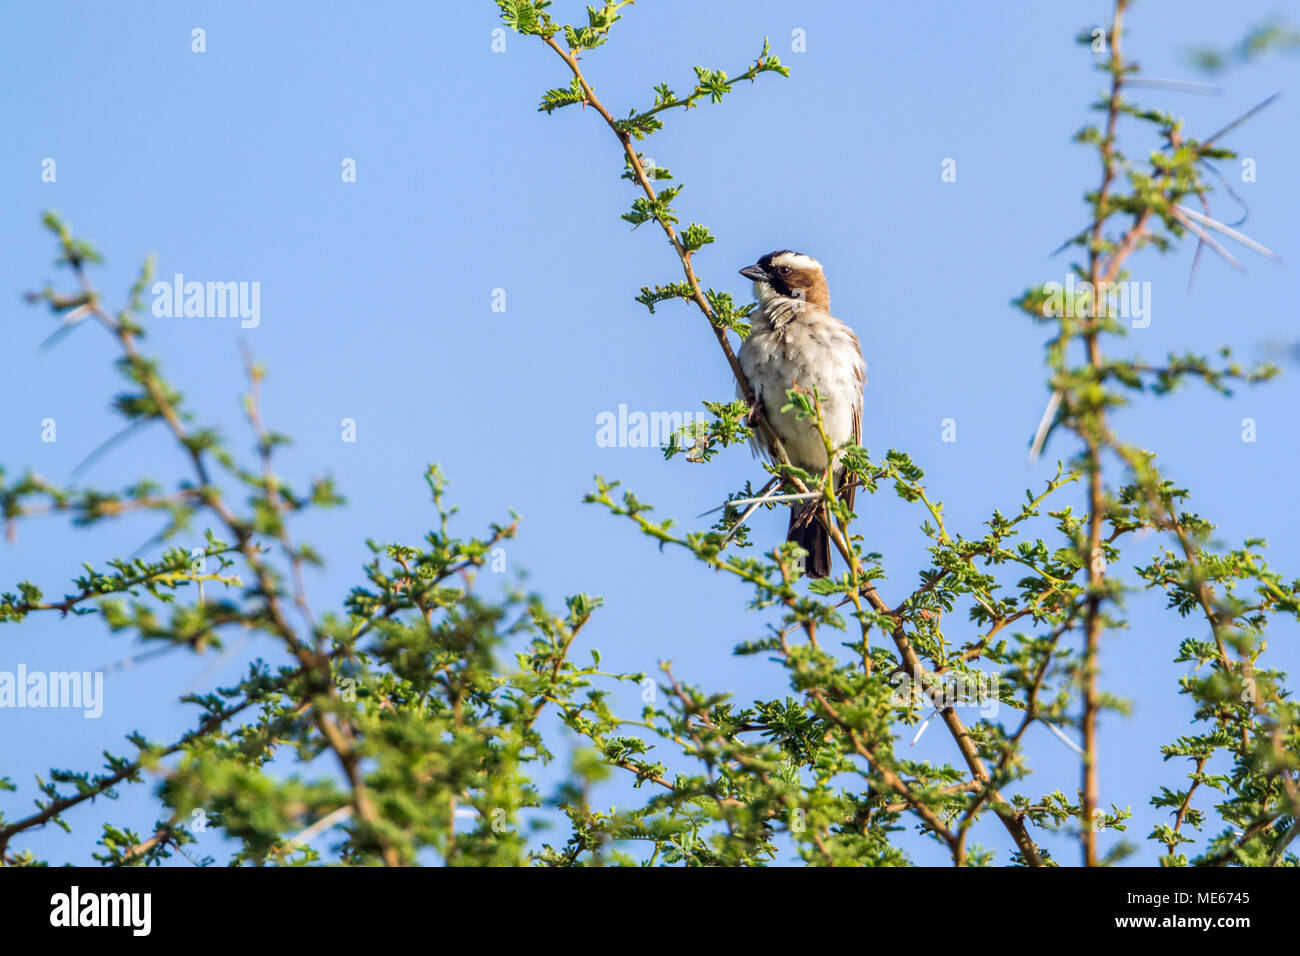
[{"x": 796, "y": 260}]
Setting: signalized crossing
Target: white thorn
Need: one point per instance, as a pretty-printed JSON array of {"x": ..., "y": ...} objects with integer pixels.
[
  {"x": 1231, "y": 233},
  {"x": 1045, "y": 423},
  {"x": 1064, "y": 739},
  {"x": 925, "y": 723},
  {"x": 320, "y": 826}
]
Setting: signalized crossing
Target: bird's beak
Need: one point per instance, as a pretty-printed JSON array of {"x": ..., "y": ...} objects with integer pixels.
[{"x": 755, "y": 272}]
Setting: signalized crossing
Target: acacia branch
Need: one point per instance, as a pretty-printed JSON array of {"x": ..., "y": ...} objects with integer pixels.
[
  {"x": 338, "y": 734},
  {"x": 683, "y": 254}
]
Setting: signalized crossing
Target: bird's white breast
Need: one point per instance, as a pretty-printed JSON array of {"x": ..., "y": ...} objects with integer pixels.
[{"x": 811, "y": 348}]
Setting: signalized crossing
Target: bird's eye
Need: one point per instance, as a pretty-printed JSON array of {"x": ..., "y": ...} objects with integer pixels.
[{"x": 784, "y": 270}]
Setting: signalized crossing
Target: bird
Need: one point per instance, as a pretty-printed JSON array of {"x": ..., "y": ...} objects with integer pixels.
[{"x": 794, "y": 340}]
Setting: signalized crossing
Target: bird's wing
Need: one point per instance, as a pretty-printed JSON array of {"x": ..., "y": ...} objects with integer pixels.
[
  {"x": 848, "y": 494},
  {"x": 757, "y": 446}
]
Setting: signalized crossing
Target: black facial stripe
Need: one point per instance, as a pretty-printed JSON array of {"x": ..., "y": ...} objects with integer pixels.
[{"x": 779, "y": 285}]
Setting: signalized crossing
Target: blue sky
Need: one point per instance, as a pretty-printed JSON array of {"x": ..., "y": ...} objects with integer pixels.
[{"x": 376, "y": 300}]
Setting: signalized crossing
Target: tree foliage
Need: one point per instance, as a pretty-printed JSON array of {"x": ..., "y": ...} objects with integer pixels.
[{"x": 436, "y": 705}]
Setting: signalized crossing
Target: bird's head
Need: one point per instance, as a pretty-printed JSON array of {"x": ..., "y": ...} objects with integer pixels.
[{"x": 789, "y": 275}]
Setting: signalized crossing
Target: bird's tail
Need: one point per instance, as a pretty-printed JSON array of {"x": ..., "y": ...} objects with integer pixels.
[{"x": 806, "y": 531}]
